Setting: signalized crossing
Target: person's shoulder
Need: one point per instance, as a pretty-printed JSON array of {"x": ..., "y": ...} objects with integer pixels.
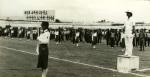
[{"x": 46, "y": 32}]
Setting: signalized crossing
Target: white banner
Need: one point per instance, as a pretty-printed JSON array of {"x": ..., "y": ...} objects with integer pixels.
[{"x": 40, "y": 15}]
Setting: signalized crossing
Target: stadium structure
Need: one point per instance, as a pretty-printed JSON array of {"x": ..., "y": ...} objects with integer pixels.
[{"x": 33, "y": 18}]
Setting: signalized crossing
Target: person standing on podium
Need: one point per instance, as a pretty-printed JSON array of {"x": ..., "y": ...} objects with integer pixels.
[{"x": 128, "y": 34}]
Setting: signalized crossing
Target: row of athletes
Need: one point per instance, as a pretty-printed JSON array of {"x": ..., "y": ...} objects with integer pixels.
[
  {"x": 19, "y": 32},
  {"x": 113, "y": 37},
  {"x": 141, "y": 38}
]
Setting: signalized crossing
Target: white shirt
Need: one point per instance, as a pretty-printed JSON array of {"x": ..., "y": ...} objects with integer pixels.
[
  {"x": 28, "y": 32},
  {"x": 12, "y": 31},
  {"x": 148, "y": 34},
  {"x": 44, "y": 37},
  {"x": 56, "y": 33},
  {"x": 129, "y": 26},
  {"x": 77, "y": 34},
  {"x": 122, "y": 35},
  {"x": 5, "y": 31},
  {"x": 94, "y": 34},
  {"x": 103, "y": 32},
  {"x": 20, "y": 31}
]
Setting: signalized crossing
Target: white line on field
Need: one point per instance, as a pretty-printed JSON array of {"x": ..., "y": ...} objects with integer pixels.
[
  {"x": 142, "y": 70},
  {"x": 65, "y": 60}
]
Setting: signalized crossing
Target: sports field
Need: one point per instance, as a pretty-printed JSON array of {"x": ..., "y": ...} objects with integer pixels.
[{"x": 18, "y": 59}]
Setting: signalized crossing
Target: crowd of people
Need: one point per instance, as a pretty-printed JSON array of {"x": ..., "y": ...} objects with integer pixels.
[
  {"x": 113, "y": 37},
  {"x": 19, "y": 32}
]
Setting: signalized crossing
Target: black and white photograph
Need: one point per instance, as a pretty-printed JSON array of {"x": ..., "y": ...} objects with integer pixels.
[{"x": 74, "y": 38}]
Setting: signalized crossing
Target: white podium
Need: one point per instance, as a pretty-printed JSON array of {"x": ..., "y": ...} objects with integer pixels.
[{"x": 126, "y": 64}]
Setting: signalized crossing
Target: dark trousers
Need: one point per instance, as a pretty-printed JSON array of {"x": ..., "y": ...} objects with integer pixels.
[
  {"x": 123, "y": 43},
  {"x": 112, "y": 42},
  {"x": 43, "y": 56},
  {"x": 77, "y": 40},
  {"x": 142, "y": 44},
  {"x": 148, "y": 40},
  {"x": 35, "y": 36},
  {"x": 107, "y": 41},
  {"x": 99, "y": 39},
  {"x": 73, "y": 40},
  {"x": 137, "y": 41},
  {"x": 94, "y": 41},
  {"x": 117, "y": 41},
  {"x": 134, "y": 41}
]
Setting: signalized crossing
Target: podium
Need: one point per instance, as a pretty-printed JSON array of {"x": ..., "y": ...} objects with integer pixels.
[{"x": 125, "y": 64}]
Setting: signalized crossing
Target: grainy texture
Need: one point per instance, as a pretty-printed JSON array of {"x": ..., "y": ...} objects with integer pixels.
[{"x": 18, "y": 64}]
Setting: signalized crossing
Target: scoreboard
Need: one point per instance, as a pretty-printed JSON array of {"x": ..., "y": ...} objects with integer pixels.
[{"x": 40, "y": 15}]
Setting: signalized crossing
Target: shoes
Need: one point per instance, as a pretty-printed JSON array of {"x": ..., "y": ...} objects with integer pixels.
[
  {"x": 77, "y": 45},
  {"x": 94, "y": 47},
  {"x": 122, "y": 50}
]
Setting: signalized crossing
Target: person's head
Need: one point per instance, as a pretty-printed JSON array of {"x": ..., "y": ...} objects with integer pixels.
[
  {"x": 95, "y": 30},
  {"x": 142, "y": 30},
  {"x": 44, "y": 25},
  {"x": 137, "y": 31},
  {"x": 129, "y": 14}
]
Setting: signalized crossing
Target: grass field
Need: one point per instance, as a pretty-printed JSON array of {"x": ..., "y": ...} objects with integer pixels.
[{"x": 18, "y": 59}]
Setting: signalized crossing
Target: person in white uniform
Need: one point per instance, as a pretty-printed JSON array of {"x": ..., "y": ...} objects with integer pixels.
[
  {"x": 122, "y": 41},
  {"x": 57, "y": 36},
  {"x": 42, "y": 49},
  {"x": 128, "y": 35},
  {"x": 94, "y": 38},
  {"x": 77, "y": 38}
]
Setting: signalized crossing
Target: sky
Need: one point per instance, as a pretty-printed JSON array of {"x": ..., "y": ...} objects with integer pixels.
[{"x": 81, "y": 10}]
